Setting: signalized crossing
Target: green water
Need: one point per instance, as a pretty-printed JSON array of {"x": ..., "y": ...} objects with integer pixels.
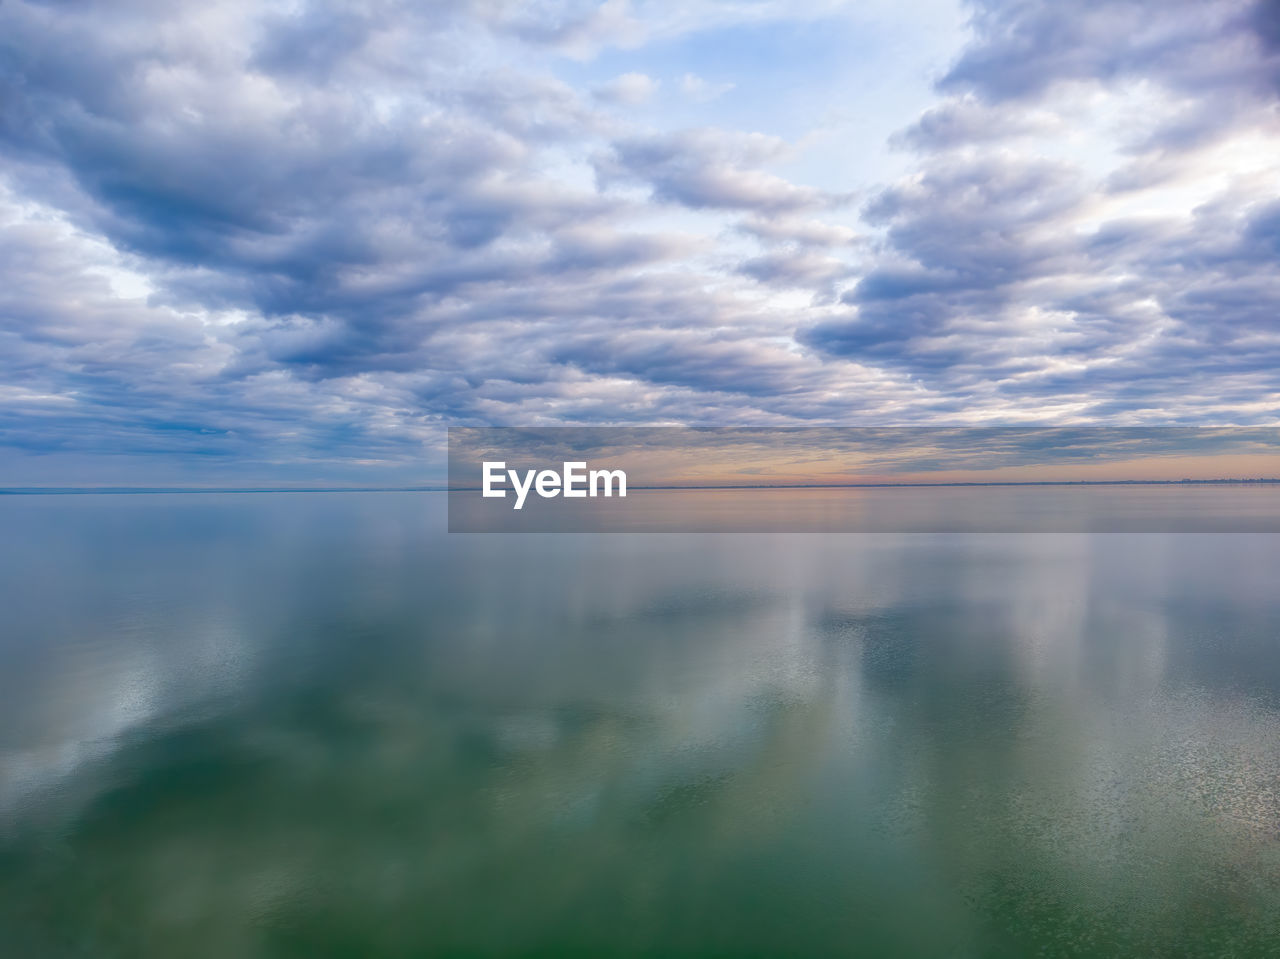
[{"x": 314, "y": 725}]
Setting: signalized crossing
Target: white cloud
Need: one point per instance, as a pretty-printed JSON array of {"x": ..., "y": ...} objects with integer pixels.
[
  {"x": 704, "y": 91},
  {"x": 333, "y": 230},
  {"x": 630, "y": 89}
]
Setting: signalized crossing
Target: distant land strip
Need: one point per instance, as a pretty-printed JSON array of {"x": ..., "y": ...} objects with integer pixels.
[{"x": 135, "y": 490}]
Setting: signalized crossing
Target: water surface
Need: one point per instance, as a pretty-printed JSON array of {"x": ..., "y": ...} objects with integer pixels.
[{"x": 318, "y": 725}]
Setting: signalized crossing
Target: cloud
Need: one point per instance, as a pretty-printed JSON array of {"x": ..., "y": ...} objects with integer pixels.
[
  {"x": 629, "y": 89},
  {"x": 703, "y": 91},
  {"x": 1125, "y": 276},
  {"x": 294, "y": 239},
  {"x": 967, "y": 121},
  {"x": 1024, "y": 49},
  {"x": 709, "y": 168},
  {"x": 576, "y": 28},
  {"x": 806, "y": 233},
  {"x": 798, "y": 269}
]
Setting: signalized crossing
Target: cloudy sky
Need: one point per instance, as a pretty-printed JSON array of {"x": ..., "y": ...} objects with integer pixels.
[{"x": 249, "y": 243}]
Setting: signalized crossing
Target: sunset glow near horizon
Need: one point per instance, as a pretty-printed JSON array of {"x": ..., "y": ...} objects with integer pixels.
[{"x": 719, "y": 457}]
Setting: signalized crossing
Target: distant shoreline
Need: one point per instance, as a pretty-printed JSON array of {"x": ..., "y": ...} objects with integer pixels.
[{"x": 143, "y": 490}]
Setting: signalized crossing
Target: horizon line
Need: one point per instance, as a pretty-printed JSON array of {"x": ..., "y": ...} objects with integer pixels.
[{"x": 137, "y": 490}]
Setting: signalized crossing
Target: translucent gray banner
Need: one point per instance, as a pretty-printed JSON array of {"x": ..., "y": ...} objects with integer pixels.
[{"x": 827, "y": 479}]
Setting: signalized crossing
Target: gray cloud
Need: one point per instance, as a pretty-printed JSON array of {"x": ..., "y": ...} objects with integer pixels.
[
  {"x": 796, "y": 269},
  {"x": 966, "y": 120},
  {"x": 313, "y": 236},
  {"x": 1003, "y": 274},
  {"x": 1024, "y": 48},
  {"x": 710, "y": 169}
]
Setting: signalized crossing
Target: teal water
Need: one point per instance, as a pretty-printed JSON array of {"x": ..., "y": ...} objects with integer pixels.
[{"x": 316, "y": 725}]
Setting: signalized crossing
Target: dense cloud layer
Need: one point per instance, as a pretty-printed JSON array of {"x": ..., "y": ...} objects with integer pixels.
[
  {"x": 295, "y": 243},
  {"x": 1093, "y": 225}
]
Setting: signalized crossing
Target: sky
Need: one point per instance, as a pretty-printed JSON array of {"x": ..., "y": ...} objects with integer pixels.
[
  {"x": 657, "y": 457},
  {"x": 249, "y": 243}
]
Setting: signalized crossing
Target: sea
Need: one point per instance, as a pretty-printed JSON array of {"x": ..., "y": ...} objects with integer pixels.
[{"x": 318, "y": 724}]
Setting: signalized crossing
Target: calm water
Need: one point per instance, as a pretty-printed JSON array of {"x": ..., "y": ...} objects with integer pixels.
[{"x": 316, "y": 725}]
